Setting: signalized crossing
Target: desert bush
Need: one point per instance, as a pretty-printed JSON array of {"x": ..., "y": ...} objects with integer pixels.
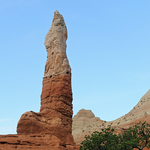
[{"x": 136, "y": 137}]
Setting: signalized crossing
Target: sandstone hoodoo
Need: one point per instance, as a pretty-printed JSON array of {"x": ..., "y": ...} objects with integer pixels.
[{"x": 55, "y": 116}]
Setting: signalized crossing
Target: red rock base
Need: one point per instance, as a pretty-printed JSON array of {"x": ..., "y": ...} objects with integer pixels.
[{"x": 33, "y": 142}]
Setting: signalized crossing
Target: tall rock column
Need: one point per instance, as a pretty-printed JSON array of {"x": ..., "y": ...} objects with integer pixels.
[{"x": 55, "y": 116}]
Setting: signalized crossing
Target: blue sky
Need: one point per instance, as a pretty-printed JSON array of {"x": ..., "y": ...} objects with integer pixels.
[{"x": 108, "y": 48}]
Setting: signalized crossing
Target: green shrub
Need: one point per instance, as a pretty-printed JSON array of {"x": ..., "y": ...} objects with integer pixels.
[{"x": 135, "y": 137}]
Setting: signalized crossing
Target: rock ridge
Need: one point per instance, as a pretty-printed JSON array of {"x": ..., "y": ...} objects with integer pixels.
[{"x": 85, "y": 125}]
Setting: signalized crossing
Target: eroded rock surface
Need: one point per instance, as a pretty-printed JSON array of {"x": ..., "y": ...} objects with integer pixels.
[
  {"x": 33, "y": 142},
  {"x": 55, "y": 43}
]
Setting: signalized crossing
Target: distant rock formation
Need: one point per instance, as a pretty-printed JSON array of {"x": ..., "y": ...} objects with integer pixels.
[
  {"x": 85, "y": 122},
  {"x": 51, "y": 128}
]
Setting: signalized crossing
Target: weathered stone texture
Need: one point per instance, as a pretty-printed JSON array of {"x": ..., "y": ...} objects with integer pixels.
[
  {"x": 33, "y": 142},
  {"x": 55, "y": 116},
  {"x": 55, "y": 43}
]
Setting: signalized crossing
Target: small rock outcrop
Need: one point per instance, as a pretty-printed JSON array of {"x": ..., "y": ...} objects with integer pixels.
[
  {"x": 85, "y": 123},
  {"x": 51, "y": 128}
]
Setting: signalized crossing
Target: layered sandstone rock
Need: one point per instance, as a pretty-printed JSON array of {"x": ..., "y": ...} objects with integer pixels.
[
  {"x": 51, "y": 128},
  {"x": 33, "y": 142},
  {"x": 85, "y": 123},
  {"x": 55, "y": 116},
  {"x": 55, "y": 42}
]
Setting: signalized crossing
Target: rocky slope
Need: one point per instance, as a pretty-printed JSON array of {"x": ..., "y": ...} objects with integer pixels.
[
  {"x": 85, "y": 122},
  {"x": 51, "y": 128}
]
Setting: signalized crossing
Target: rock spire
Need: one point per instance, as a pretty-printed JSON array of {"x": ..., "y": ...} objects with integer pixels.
[
  {"x": 55, "y": 43},
  {"x": 55, "y": 116}
]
